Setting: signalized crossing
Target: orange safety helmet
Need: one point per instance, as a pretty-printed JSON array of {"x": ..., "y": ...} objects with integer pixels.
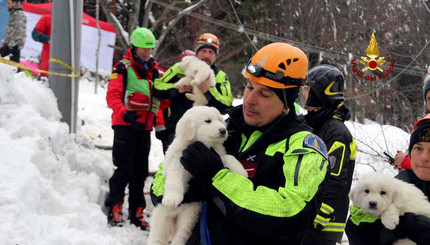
[
  {"x": 279, "y": 66},
  {"x": 208, "y": 40}
]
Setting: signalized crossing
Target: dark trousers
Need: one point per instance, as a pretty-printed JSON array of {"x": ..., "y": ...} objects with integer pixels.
[
  {"x": 316, "y": 238},
  {"x": 130, "y": 154},
  {"x": 14, "y": 51}
]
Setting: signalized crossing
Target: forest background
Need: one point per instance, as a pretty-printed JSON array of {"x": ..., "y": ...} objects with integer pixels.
[{"x": 335, "y": 32}]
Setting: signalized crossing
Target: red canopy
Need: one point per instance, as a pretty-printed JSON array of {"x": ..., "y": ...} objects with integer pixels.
[{"x": 46, "y": 8}]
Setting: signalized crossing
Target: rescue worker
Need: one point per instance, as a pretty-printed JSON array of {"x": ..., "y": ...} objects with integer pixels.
[
  {"x": 326, "y": 115},
  {"x": 130, "y": 97},
  {"x": 219, "y": 96},
  {"x": 286, "y": 164},
  {"x": 364, "y": 228}
]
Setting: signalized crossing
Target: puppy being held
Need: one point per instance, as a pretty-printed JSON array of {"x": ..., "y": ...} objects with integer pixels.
[
  {"x": 388, "y": 198},
  {"x": 171, "y": 221},
  {"x": 196, "y": 72}
]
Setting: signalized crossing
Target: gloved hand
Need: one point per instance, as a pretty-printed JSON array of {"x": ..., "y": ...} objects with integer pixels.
[
  {"x": 4, "y": 50},
  {"x": 194, "y": 193},
  {"x": 130, "y": 117},
  {"x": 203, "y": 163},
  {"x": 161, "y": 132},
  {"x": 405, "y": 227}
]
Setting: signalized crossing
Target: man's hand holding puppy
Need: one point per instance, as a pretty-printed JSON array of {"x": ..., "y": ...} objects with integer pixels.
[{"x": 203, "y": 163}]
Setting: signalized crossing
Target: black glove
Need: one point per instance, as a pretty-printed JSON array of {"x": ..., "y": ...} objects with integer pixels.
[
  {"x": 130, "y": 117},
  {"x": 203, "y": 163},
  {"x": 194, "y": 193},
  {"x": 4, "y": 51},
  {"x": 161, "y": 134},
  {"x": 405, "y": 227}
]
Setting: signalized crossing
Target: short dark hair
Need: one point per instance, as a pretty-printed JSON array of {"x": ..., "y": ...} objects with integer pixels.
[{"x": 16, "y": 1}]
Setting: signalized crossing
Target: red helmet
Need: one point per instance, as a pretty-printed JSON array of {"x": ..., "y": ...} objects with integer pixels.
[{"x": 186, "y": 53}]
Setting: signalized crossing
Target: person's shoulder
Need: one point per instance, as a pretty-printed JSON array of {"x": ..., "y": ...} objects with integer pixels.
[
  {"x": 121, "y": 66},
  {"x": 19, "y": 15},
  {"x": 336, "y": 126},
  {"x": 403, "y": 175}
]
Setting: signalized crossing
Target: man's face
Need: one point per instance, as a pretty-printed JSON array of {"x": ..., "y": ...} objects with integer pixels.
[
  {"x": 260, "y": 105},
  {"x": 10, "y": 4},
  {"x": 420, "y": 160},
  {"x": 144, "y": 53},
  {"x": 207, "y": 55}
]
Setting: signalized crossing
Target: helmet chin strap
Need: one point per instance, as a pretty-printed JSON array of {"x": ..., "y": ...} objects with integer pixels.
[{"x": 284, "y": 94}]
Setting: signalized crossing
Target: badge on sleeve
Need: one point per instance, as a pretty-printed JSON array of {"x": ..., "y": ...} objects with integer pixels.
[
  {"x": 114, "y": 76},
  {"x": 316, "y": 143}
]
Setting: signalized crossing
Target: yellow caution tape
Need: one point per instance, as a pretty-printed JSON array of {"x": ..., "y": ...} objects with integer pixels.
[{"x": 24, "y": 67}]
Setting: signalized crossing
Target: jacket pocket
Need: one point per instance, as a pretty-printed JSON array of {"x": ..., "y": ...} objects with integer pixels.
[{"x": 138, "y": 101}]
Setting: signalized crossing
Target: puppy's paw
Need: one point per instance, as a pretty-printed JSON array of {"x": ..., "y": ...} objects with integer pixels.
[
  {"x": 234, "y": 165},
  {"x": 390, "y": 221},
  {"x": 172, "y": 200},
  {"x": 195, "y": 82},
  {"x": 240, "y": 170},
  {"x": 199, "y": 99}
]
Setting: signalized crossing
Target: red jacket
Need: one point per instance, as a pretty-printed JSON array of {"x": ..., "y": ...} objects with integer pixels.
[
  {"x": 406, "y": 163},
  {"x": 115, "y": 92},
  {"x": 43, "y": 27}
]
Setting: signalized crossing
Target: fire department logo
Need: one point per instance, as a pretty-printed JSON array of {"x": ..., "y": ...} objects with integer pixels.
[
  {"x": 372, "y": 52},
  {"x": 372, "y": 62}
]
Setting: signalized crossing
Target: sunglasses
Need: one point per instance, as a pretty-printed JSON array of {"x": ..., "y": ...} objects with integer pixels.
[{"x": 279, "y": 76}]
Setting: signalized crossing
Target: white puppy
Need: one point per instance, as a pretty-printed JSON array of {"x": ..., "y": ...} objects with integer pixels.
[
  {"x": 196, "y": 71},
  {"x": 387, "y": 197},
  {"x": 170, "y": 222}
]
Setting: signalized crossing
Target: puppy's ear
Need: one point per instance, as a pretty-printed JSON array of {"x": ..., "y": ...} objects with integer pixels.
[
  {"x": 398, "y": 198},
  {"x": 186, "y": 128}
]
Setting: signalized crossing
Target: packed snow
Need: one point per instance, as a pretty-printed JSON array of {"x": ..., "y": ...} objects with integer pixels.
[{"x": 53, "y": 183}]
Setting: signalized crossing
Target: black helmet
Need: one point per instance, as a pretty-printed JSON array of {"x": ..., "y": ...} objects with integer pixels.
[{"x": 326, "y": 83}]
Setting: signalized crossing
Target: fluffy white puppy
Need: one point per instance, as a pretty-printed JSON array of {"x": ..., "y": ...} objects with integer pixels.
[
  {"x": 196, "y": 71},
  {"x": 170, "y": 222},
  {"x": 388, "y": 198}
]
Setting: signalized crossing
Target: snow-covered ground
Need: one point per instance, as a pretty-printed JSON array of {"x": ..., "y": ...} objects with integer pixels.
[{"x": 53, "y": 184}]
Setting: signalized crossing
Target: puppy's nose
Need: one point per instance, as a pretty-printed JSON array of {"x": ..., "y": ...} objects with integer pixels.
[
  {"x": 373, "y": 205},
  {"x": 222, "y": 131}
]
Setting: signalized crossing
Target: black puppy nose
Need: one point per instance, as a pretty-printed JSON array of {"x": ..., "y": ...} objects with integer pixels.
[
  {"x": 372, "y": 205},
  {"x": 222, "y": 131}
]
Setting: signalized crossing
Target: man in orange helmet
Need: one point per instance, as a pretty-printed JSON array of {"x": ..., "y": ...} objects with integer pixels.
[
  {"x": 219, "y": 96},
  {"x": 286, "y": 164}
]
